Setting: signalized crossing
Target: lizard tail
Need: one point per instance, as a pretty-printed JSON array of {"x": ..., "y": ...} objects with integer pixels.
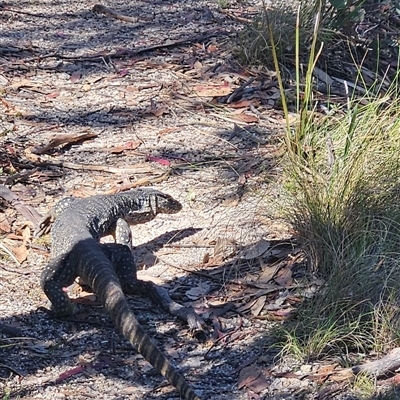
[{"x": 126, "y": 322}]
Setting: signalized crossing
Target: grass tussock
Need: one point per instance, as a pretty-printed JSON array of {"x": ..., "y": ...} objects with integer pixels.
[
  {"x": 255, "y": 45},
  {"x": 342, "y": 178},
  {"x": 277, "y": 28}
]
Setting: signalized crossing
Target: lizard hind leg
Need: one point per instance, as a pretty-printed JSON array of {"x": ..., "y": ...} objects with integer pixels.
[
  {"x": 53, "y": 280},
  {"x": 124, "y": 265},
  {"x": 121, "y": 257}
]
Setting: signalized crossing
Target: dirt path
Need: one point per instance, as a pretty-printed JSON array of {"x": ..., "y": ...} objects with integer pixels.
[{"x": 143, "y": 102}]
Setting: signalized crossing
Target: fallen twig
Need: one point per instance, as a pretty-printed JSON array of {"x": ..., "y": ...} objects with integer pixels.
[
  {"x": 388, "y": 363},
  {"x": 98, "y": 8},
  {"x": 16, "y": 372},
  {"x": 7, "y": 251},
  {"x": 4, "y": 7},
  {"x": 47, "y": 161},
  {"x": 17, "y": 271},
  {"x": 132, "y": 53},
  {"x": 384, "y": 365},
  {"x": 140, "y": 182},
  {"x": 63, "y": 139}
]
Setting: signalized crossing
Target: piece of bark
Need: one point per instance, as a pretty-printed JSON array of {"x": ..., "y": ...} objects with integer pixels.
[{"x": 386, "y": 364}]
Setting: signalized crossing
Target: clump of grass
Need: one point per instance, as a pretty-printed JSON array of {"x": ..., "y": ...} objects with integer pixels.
[
  {"x": 255, "y": 45},
  {"x": 277, "y": 27},
  {"x": 255, "y": 41},
  {"x": 364, "y": 386},
  {"x": 343, "y": 182}
]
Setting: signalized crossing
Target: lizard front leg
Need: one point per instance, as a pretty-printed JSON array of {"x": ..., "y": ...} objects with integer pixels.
[
  {"x": 46, "y": 222},
  {"x": 124, "y": 265}
]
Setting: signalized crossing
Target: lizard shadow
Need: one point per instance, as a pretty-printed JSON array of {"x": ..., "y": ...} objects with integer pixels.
[
  {"x": 58, "y": 342},
  {"x": 90, "y": 321},
  {"x": 146, "y": 252}
]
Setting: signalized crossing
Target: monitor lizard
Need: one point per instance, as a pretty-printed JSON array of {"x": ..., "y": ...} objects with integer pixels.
[{"x": 77, "y": 228}]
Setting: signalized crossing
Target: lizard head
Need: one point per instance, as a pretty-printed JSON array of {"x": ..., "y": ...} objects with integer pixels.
[
  {"x": 147, "y": 204},
  {"x": 164, "y": 203}
]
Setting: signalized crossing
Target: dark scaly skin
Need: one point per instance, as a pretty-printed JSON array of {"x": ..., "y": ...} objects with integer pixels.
[{"x": 76, "y": 252}]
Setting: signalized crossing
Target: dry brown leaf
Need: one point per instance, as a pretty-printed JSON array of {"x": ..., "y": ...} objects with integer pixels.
[
  {"x": 327, "y": 369},
  {"x": 245, "y": 118},
  {"x": 322, "y": 374},
  {"x": 168, "y": 130},
  {"x": 4, "y": 223},
  {"x": 231, "y": 200},
  {"x": 18, "y": 83},
  {"x": 258, "y": 306},
  {"x": 242, "y": 179},
  {"x": 259, "y": 384},
  {"x": 20, "y": 252},
  {"x": 241, "y": 104},
  {"x": 280, "y": 315},
  {"x": 130, "y": 390},
  {"x": 343, "y": 375},
  {"x": 284, "y": 277},
  {"x": 144, "y": 276},
  {"x": 268, "y": 273},
  {"x": 212, "y": 48},
  {"x": 123, "y": 147},
  {"x": 71, "y": 372},
  {"x": 53, "y": 95},
  {"x": 196, "y": 293},
  {"x": 197, "y": 65},
  {"x": 224, "y": 248},
  {"x": 9, "y": 107},
  {"x": 287, "y": 375},
  {"x": 213, "y": 90},
  {"x": 85, "y": 298},
  {"x": 255, "y": 250},
  {"x": 131, "y": 88},
  {"x": 247, "y": 306},
  {"x": 247, "y": 375},
  {"x": 26, "y": 234},
  {"x": 82, "y": 192},
  {"x": 61, "y": 140},
  {"x": 157, "y": 109},
  {"x": 158, "y": 160}
]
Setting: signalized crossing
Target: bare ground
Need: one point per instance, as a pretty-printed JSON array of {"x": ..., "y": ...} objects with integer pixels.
[{"x": 151, "y": 99}]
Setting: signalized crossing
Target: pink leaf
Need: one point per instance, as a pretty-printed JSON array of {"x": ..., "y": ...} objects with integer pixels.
[
  {"x": 158, "y": 160},
  {"x": 67, "y": 374},
  {"x": 75, "y": 77}
]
